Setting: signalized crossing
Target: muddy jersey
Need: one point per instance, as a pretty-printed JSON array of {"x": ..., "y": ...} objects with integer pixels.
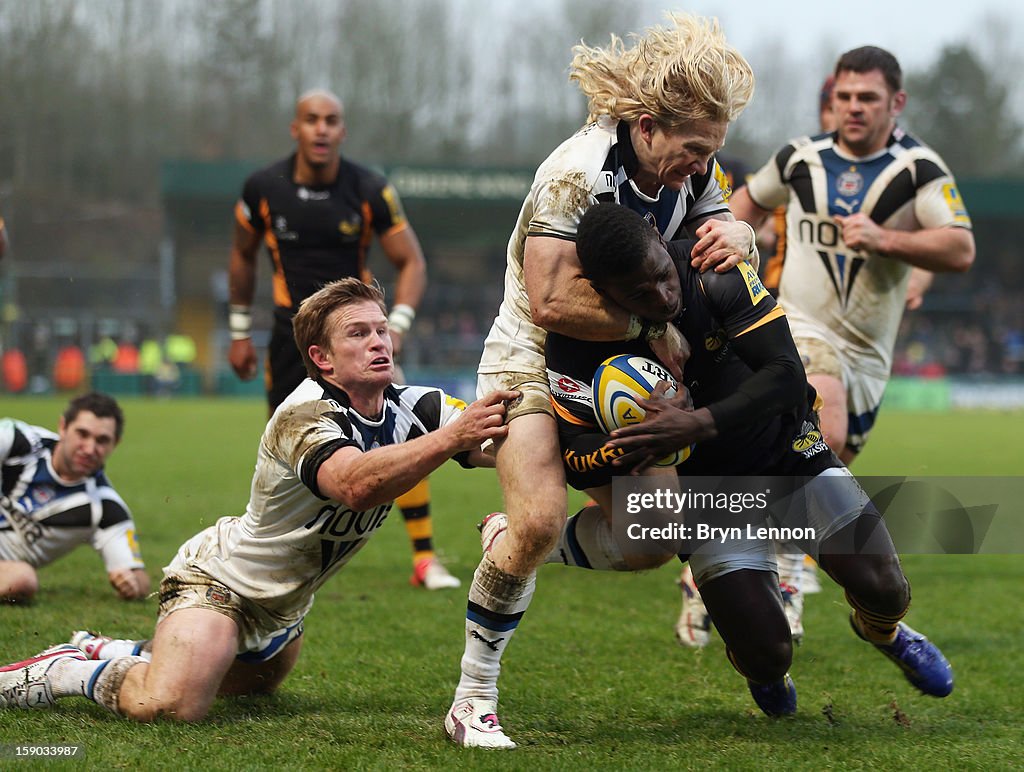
[
  {"x": 291, "y": 538},
  {"x": 596, "y": 164},
  {"x": 43, "y": 517},
  {"x": 852, "y": 299},
  {"x": 316, "y": 234}
]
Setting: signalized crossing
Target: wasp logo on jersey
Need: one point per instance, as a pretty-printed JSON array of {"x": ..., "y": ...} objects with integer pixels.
[
  {"x": 350, "y": 227},
  {"x": 714, "y": 340},
  {"x": 809, "y": 442}
]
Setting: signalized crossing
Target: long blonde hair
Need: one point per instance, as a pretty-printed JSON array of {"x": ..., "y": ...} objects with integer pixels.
[{"x": 678, "y": 74}]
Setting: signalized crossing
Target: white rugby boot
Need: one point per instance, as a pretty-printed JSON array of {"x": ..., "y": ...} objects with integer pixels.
[
  {"x": 473, "y": 723},
  {"x": 25, "y": 684}
]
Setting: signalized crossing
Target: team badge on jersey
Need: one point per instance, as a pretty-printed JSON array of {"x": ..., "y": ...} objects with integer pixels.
[
  {"x": 714, "y": 340},
  {"x": 809, "y": 442},
  {"x": 350, "y": 227},
  {"x": 43, "y": 493},
  {"x": 850, "y": 182},
  {"x": 218, "y": 596}
]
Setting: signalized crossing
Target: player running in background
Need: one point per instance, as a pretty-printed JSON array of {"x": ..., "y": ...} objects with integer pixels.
[
  {"x": 752, "y": 413},
  {"x": 864, "y": 205},
  {"x": 773, "y": 234},
  {"x": 56, "y": 496},
  {"x": 659, "y": 112},
  {"x": 317, "y": 212},
  {"x": 332, "y": 459}
]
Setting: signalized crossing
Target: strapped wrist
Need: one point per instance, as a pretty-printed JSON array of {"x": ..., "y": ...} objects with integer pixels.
[
  {"x": 635, "y": 328},
  {"x": 401, "y": 317},
  {"x": 240, "y": 321}
]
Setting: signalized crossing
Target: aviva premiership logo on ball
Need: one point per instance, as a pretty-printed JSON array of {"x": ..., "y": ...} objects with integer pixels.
[{"x": 619, "y": 383}]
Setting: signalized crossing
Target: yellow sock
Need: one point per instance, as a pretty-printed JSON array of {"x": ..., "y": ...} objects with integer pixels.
[{"x": 415, "y": 508}]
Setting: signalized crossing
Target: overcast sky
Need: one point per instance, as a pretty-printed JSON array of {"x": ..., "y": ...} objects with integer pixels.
[{"x": 914, "y": 30}]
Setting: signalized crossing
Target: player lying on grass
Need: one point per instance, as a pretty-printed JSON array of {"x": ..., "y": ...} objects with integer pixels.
[
  {"x": 753, "y": 414},
  {"x": 56, "y": 496},
  {"x": 332, "y": 458}
]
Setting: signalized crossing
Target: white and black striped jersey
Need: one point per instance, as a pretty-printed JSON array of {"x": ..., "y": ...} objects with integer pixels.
[
  {"x": 291, "y": 539},
  {"x": 43, "y": 517},
  {"x": 852, "y": 299},
  {"x": 596, "y": 164}
]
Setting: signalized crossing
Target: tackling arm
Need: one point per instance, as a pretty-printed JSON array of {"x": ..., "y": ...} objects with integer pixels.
[
  {"x": 364, "y": 480},
  {"x": 563, "y": 301},
  {"x": 727, "y": 239}
]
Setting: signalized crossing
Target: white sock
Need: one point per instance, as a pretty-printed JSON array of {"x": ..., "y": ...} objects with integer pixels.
[
  {"x": 497, "y": 601},
  {"x": 587, "y": 541},
  {"x": 74, "y": 677},
  {"x": 112, "y": 648}
]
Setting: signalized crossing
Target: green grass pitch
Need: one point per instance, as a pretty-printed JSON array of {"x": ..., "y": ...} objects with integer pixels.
[{"x": 594, "y": 678}]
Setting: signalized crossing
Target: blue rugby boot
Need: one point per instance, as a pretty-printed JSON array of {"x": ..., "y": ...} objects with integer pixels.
[
  {"x": 919, "y": 659},
  {"x": 777, "y": 699}
]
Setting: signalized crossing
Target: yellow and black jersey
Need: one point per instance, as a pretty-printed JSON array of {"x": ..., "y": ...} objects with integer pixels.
[
  {"x": 316, "y": 234},
  {"x": 744, "y": 367}
]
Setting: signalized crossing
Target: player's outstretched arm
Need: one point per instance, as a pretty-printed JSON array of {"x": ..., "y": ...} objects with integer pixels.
[{"x": 364, "y": 480}]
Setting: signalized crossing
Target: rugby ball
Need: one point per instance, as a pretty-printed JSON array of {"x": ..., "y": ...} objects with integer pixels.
[{"x": 622, "y": 380}]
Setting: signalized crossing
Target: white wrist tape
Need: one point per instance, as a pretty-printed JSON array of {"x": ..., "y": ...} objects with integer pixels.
[
  {"x": 636, "y": 326},
  {"x": 400, "y": 318},
  {"x": 240, "y": 321}
]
